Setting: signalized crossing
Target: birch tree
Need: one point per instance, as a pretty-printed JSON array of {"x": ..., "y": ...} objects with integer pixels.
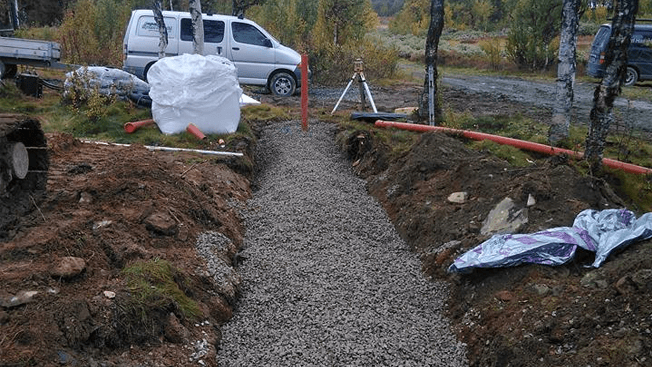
[
  {"x": 432, "y": 44},
  {"x": 197, "y": 26},
  {"x": 162, "y": 29},
  {"x": 561, "y": 111},
  {"x": 612, "y": 80}
]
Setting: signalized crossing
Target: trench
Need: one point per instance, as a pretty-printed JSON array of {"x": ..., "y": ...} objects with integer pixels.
[{"x": 326, "y": 279}]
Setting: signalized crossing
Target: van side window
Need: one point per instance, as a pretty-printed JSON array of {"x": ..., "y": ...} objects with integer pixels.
[
  {"x": 213, "y": 30},
  {"x": 246, "y": 33}
]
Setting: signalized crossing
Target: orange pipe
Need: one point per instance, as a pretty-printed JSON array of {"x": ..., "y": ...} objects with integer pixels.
[
  {"x": 304, "y": 92},
  {"x": 521, "y": 144},
  {"x": 130, "y": 127},
  {"x": 194, "y": 130}
]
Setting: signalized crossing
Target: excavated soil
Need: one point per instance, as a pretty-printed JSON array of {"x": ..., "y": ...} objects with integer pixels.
[
  {"x": 114, "y": 206},
  {"x": 111, "y": 207}
]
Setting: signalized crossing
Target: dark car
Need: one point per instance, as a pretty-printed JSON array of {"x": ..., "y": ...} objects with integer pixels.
[{"x": 639, "y": 54}]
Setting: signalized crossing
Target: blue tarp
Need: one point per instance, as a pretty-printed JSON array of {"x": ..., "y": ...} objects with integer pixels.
[{"x": 599, "y": 231}]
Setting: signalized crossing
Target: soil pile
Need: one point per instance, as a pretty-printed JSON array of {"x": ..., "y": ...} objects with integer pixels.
[
  {"x": 105, "y": 270},
  {"x": 525, "y": 316}
]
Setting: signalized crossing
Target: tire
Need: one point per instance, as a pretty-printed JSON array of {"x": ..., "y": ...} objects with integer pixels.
[
  {"x": 631, "y": 76},
  {"x": 147, "y": 70},
  {"x": 282, "y": 84}
]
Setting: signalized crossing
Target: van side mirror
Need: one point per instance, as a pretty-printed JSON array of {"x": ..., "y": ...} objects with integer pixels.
[{"x": 267, "y": 43}]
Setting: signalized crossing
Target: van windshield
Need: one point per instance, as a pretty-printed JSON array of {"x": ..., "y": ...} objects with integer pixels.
[{"x": 602, "y": 38}]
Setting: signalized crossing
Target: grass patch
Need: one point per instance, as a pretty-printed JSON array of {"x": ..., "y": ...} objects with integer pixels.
[
  {"x": 157, "y": 285},
  {"x": 397, "y": 141}
]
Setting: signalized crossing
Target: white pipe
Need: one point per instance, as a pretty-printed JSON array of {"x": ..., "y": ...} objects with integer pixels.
[{"x": 170, "y": 149}]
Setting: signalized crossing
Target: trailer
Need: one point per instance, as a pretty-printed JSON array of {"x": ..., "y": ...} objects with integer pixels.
[{"x": 20, "y": 51}]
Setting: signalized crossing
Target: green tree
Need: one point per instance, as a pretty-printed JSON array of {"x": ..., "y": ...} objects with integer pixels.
[
  {"x": 535, "y": 24},
  {"x": 92, "y": 32},
  {"x": 288, "y": 20},
  {"x": 343, "y": 21},
  {"x": 414, "y": 18}
]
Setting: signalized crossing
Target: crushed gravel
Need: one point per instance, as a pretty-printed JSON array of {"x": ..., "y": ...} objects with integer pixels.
[{"x": 326, "y": 280}]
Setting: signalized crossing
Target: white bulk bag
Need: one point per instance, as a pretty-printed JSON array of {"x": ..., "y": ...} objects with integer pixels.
[{"x": 202, "y": 90}]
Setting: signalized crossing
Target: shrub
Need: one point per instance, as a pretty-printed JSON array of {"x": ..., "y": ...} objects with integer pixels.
[
  {"x": 334, "y": 64},
  {"x": 92, "y": 32},
  {"x": 493, "y": 50},
  {"x": 535, "y": 25}
]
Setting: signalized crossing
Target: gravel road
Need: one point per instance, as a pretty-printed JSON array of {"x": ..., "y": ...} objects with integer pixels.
[
  {"x": 326, "y": 280},
  {"x": 635, "y": 113}
]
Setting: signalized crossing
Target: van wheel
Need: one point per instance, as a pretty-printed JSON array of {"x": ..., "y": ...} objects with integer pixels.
[
  {"x": 631, "y": 76},
  {"x": 146, "y": 71},
  {"x": 282, "y": 84}
]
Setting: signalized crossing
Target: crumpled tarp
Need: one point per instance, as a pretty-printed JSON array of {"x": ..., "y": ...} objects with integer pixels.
[
  {"x": 109, "y": 81},
  {"x": 601, "y": 232}
]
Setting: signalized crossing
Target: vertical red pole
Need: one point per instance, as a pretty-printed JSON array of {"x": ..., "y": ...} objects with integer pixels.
[{"x": 304, "y": 92}]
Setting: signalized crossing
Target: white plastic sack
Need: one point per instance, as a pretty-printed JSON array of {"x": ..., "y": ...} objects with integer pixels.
[{"x": 202, "y": 90}]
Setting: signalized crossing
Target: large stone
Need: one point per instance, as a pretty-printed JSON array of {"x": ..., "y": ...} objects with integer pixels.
[
  {"x": 458, "y": 197},
  {"x": 68, "y": 267},
  {"x": 161, "y": 224},
  {"x": 506, "y": 217},
  {"x": 21, "y": 298}
]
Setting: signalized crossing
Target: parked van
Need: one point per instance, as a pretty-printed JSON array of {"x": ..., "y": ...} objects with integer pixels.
[
  {"x": 259, "y": 57},
  {"x": 639, "y": 54}
]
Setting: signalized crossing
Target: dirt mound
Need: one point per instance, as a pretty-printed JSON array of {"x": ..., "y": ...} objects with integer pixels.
[
  {"x": 523, "y": 316},
  {"x": 105, "y": 268}
]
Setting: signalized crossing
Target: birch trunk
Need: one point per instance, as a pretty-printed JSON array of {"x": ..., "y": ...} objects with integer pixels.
[
  {"x": 197, "y": 26},
  {"x": 162, "y": 29},
  {"x": 561, "y": 112},
  {"x": 432, "y": 44},
  {"x": 609, "y": 88}
]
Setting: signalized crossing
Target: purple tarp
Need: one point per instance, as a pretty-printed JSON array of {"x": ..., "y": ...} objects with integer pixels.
[{"x": 599, "y": 231}]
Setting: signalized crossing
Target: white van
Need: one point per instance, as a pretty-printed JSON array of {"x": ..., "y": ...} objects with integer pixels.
[{"x": 259, "y": 57}]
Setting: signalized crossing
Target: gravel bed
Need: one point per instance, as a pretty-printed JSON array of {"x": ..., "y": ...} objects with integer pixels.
[{"x": 326, "y": 280}]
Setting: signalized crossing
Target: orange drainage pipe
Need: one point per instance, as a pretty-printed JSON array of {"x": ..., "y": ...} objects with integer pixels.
[
  {"x": 521, "y": 144},
  {"x": 194, "y": 130},
  {"x": 130, "y": 127},
  {"x": 304, "y": 92}
]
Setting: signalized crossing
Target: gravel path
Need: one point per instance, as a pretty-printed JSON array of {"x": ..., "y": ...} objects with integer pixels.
[{"x": 327, "y": 281}]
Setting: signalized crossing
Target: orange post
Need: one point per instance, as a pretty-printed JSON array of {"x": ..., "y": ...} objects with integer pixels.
[
  {"x": 130, "y": 127},
  {"x": 194, "y": 130},
  {"x": 304, "y": 92}
]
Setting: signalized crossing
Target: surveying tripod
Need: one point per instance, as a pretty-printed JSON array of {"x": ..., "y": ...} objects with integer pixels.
[{"x": 362, "y": 82}]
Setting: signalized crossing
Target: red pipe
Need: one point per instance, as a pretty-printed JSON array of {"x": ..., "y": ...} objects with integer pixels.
[
  {"x": 304, "y": 92},
  {"x": 194, "y": 130},
  {"x": 130, "y": 127},
  {"x": 521, "y": 144}
]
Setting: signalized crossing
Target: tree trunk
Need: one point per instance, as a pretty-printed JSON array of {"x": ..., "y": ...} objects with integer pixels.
[
  {"x": 609, "y": 88},
  {"x": 432, "y": 43},
  {"x": 162, "y": 29},
  {"x": 197, "y": 26},
  {"x": 561, "y": 112}
]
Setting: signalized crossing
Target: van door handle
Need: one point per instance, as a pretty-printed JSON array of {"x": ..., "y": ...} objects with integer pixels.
[
  {"x": 236, "y": 48},
  {"x": 219, "y": 50}
]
